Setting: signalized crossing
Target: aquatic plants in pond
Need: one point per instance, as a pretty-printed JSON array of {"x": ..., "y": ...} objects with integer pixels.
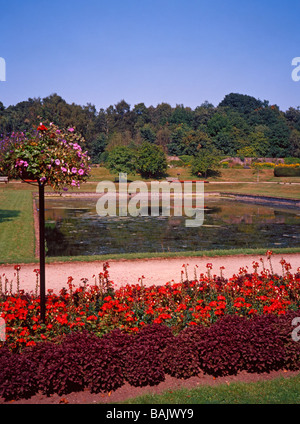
[{"x": 228, "y": 224}]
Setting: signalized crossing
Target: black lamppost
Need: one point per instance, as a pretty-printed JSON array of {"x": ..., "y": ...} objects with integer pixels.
[
  {"x": 42, "y": 249},
  {"x": 41, "y": 185}
]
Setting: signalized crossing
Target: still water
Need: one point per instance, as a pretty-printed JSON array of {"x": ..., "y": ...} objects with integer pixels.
[{"x": 74, "y": 228}]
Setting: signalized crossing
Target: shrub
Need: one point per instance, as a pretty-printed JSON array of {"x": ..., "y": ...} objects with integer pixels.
[
  {"x": 102, "y": 369},
  {"x": 291, "y": 348},
  {"x": 265, "y": 351},
  {"x": 143, "y": 365},
  {"x": 59, "y": 370},
  {"x": 206, "y": 161},
  {"x": 260, "y": 344},
  {"x": 287, "y": 171},
  {"x": 157, "y": 335},
  {"x": 82, "y": 360},
  {"x": 180, "y": 359},
  {"x": 100, "y": 359},
  {"x": 118, "y": 341},
  {"x": 151, "y": 161},
  {"x": 220, "y": 351},
  {"x": 121, "y": 159},
  {"x": 18, "y": 376}
]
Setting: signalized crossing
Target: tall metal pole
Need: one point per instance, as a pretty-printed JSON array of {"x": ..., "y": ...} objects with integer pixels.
[{"x": 42, "y": 251}]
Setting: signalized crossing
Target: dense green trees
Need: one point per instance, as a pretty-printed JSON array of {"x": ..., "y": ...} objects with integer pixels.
[
  {"x": 121, "y": 159},
  {"x": 150, "y": 161},
  {"x": 240, "y": 123},
  {"x": 206, "y": 161},
  {"x": 241, "y": 103}
]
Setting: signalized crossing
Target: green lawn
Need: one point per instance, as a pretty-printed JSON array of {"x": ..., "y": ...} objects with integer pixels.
[
  {"x": 16, "y": 226},
  {"x": 235, "y": 175},
  {"x": 182, "y": 254},
  {"x": 276, "y": 391},
  {"x": 244, "y": 181},
  {"x": 287, "y": 191},
  {"x": 250, "y": 175}
]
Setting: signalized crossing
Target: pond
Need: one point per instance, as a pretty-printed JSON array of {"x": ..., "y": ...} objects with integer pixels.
[{"x": 73, "y": 227}]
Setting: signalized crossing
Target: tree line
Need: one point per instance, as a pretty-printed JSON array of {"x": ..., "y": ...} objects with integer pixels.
[{"x": 240, "y": 125}]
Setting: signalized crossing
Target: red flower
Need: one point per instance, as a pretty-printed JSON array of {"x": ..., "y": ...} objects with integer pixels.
[
  {"x": 269, "y": 253},
  {"x": 92, "y": 318},
  {"x": 42, "y": 128}
]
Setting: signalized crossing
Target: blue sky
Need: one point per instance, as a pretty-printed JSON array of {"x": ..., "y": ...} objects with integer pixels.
[{"x": 151, "y": 51}]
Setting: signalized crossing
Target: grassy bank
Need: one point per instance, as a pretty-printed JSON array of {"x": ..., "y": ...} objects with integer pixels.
[
  {"x": 286, "y": 191},
  {"x": 244, "y": 182},
  {"x": 276, "y": 391},
  {"x": 153, "y": 255},
  {"x": 169, "y": 255},
  {"x": 16, "y": 226}
]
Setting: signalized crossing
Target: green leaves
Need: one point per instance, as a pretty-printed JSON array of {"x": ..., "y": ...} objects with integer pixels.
[
  {"x": 121, "y": 159},
  {"x": 151, "y": 161},
  {"x": 52, "y": 155},
  {"x": 206, "y": 160}
]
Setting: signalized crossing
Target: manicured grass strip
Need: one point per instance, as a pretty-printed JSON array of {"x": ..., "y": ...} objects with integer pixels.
[
  {"x": 287, "y": 191},
  {"x": 149, "y": 255},
  {"x": 277, "y": 391},
  {"x": 16, "y": 226},
  {"x": 283, "y": 188},
  {"x": 166, "y": 255}
]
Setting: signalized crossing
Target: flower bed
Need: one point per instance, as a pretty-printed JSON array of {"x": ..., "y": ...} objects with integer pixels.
[{"x": 98, "y": 337}]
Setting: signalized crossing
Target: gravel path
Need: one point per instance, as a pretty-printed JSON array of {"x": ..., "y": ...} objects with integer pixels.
[{"x": 155, "y": 271}]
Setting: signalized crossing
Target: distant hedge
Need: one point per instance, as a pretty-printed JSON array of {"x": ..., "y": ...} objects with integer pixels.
[{"x": 282, "y": 171}]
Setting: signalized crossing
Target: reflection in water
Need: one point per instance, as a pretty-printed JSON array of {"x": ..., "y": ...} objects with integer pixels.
[{"x": 74, "y": 228}]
